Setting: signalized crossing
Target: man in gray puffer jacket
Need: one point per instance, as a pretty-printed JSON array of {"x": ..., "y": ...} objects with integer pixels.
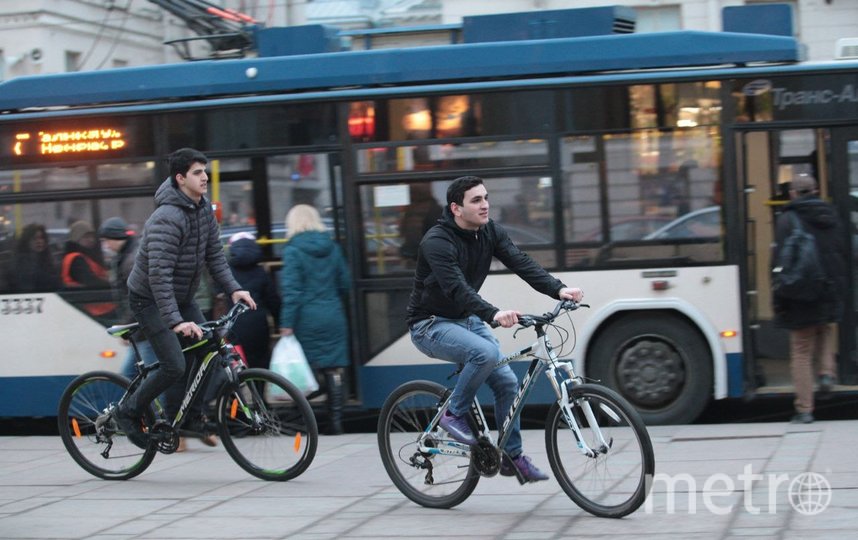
[{"x": 180, "y": 238}]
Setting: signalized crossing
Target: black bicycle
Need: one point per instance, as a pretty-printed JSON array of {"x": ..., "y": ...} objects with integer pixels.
[
  {"x": 266, "y": 424},
  {"x": 598, "y": 447}
]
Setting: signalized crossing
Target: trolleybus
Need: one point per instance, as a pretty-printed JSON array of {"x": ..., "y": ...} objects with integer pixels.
[{"x": 645, "y": 168}]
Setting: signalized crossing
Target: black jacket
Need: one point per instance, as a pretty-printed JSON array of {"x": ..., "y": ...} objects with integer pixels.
[
  {"x": 820, "y": 219},
  {"x": 179, "y": 239},
  {"x": 453, "y": 263}
]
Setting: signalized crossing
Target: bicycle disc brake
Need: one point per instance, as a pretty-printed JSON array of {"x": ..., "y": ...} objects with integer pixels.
[
  {"x": 486, "y": 457},
  {"x": 166, "y": 436}
]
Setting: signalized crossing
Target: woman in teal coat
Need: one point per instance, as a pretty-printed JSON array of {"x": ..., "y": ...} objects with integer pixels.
[{"x": 313, "y": 281}]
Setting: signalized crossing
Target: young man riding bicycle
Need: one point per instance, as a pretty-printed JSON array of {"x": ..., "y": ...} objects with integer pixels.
[
  {"x": 180, "y": 238},
  {"x": 447, "y": 316}
]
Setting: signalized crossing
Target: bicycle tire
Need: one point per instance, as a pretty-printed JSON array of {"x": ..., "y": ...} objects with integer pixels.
[
  {"x": 86, "y": 400},
  {"x": 274, "y": 435},
  {"x": 404, "y": 417},
  {"x": 606, "y": 489}
]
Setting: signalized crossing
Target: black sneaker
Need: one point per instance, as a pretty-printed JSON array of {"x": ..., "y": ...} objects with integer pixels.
[{"x": 132, "y": 425}]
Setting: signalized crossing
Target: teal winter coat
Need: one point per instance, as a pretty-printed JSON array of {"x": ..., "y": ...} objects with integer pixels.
[{"x": 313, "y": 282}]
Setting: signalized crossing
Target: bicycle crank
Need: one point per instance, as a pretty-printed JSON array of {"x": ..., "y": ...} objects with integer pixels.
[
  {"x": 166, "y": 437},
  {"x": 486, "y": 457}
]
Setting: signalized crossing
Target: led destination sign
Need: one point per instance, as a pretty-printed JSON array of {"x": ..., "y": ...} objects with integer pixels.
[
  {"x": 57, "y": 143},
  {"x": 66, "y": 140}
]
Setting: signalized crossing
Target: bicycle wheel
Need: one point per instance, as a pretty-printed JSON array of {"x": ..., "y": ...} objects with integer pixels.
[
  {"x": 90, "y": 433},
  {"x": 431, "y": 480},
  {"x": 267, "y": 425},
  {"x": 616, "y": 481}
]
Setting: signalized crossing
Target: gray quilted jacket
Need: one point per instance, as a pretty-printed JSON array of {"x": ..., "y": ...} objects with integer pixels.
[{"x": 178, "y": 239}]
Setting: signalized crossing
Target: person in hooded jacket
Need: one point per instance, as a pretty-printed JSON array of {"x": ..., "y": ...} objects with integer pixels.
[
  {"x": 251, "y": 331},
  {"x": 179, "y": 240},
  {"x": 313, "y": 281},
  {"x": 447, "y": 315},
  {"x": 811, "y": 324}
]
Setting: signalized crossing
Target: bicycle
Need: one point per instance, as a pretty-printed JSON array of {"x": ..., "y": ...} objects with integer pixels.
[
  {"x": 587, "y": 425},
  {"x": 266, "y": 424}
]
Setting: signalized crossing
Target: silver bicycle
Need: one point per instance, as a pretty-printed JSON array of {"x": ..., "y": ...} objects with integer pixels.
[{"x": 598, "y": 447}]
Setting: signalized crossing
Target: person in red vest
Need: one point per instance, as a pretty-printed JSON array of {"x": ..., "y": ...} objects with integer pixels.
[{"x": 83, "y": 268}]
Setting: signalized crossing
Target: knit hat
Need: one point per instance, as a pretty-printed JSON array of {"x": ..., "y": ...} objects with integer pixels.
[
  {"x": 114, "y": 228},
  {"x": 241, "y": 235},
  {"x": 78, "y": 229}
]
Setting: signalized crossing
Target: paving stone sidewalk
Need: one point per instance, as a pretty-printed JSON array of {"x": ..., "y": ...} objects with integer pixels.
[{"x": 712, "y": 481}]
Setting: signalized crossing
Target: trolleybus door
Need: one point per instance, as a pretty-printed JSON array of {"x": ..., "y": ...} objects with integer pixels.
[{"x": 844, "y": 169}]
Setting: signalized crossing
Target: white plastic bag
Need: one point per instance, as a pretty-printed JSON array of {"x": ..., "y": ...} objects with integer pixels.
[{"x": 288, "y": 360}]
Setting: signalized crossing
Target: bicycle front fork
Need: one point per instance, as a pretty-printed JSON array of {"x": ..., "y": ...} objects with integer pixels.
[{"x": 584, "y": 405}]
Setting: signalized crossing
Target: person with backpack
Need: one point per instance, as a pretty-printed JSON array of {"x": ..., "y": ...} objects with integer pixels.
[{"x": 816, "y": 262}]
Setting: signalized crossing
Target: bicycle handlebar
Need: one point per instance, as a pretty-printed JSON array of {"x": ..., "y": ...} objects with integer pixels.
[
  {"x": 526, "y": 321},
  {"x": 227, "y": 320}
]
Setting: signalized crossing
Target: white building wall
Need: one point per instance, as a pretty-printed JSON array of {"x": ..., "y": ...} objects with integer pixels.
[
  {"x": 819, "y": 23},
  {"x": 101, "y": 36}
]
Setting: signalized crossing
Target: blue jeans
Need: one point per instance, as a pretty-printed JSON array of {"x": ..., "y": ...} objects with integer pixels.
[
  {"x": 470, "y": 342},
  {"x": 147, "y": 353}
]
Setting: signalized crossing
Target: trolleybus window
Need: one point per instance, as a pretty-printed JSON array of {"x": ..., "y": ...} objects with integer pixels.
[
  {"x": 107, "y": 175},
  {"x": 258, "y": 127},
  {"x": 461, "y": 155},
  {"x": 451, "y": 116}
]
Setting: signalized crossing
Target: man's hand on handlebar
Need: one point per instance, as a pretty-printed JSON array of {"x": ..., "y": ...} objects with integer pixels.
[
  {"x": 571, "y": 293},
  {"x": 243, "y": 296},
  {"x": 188, "y": 329},
  {"x": 507, "y": 318}
]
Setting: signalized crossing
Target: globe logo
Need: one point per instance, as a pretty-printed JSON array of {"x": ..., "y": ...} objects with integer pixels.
[{"x": 809, "y": 493}]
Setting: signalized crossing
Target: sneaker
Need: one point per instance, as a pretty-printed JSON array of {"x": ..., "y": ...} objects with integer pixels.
[
  {"x": 458, "y": 428},
  {"x": 826, "y": 384},
  {"x": 131, "y": 424},
  {"x": 527, "y": 471},
  {"x": 802, "y": 418},
  {"x": 209, "y": 440}
]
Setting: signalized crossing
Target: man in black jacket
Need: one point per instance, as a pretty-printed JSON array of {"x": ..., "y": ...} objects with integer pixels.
[
  {"x": 180, "y": 238},
  {"x": 447, "y": 316},
  {"x": 811, "y": 322}
]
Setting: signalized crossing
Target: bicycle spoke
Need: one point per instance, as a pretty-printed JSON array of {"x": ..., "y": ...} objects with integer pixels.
[
  {"x": 434, "y": 480},
  {"x": 613, "y": 482},
  {"x": 91, "y": 436},
  {"x": 270, "y": 437}
]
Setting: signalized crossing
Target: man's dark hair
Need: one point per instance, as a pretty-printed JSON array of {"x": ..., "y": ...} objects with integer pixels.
[
  {"x": 456, "y": 191},
  {"x": 181, "y": 160}
]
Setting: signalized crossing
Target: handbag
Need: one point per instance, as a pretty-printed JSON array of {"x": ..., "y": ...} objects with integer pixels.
[{"x": 288, "y": 360}]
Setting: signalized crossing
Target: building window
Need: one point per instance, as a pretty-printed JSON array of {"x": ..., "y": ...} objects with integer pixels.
[
  {"x": 72, "y": 61},
  {"x": 658, "y": 19}
]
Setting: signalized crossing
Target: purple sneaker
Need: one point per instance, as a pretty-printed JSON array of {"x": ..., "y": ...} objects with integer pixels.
[
  {"x": 527, "y": 471},
  {"x": 458, "y": 428}
]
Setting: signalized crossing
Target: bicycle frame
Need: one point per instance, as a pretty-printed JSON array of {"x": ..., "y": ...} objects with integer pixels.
[
  {"x": 544, "y": 359},
  {"x": 199, "y": 381}
]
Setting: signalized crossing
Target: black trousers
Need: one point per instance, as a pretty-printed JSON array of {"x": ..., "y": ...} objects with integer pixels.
[{"x": 170, "y": 378}]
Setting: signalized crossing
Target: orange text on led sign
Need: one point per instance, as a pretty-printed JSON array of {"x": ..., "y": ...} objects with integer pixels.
[{"x": 71, "y": 142}]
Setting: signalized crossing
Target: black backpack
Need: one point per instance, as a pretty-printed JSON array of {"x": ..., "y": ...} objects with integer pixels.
[{"x": 798, "y": 273}]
